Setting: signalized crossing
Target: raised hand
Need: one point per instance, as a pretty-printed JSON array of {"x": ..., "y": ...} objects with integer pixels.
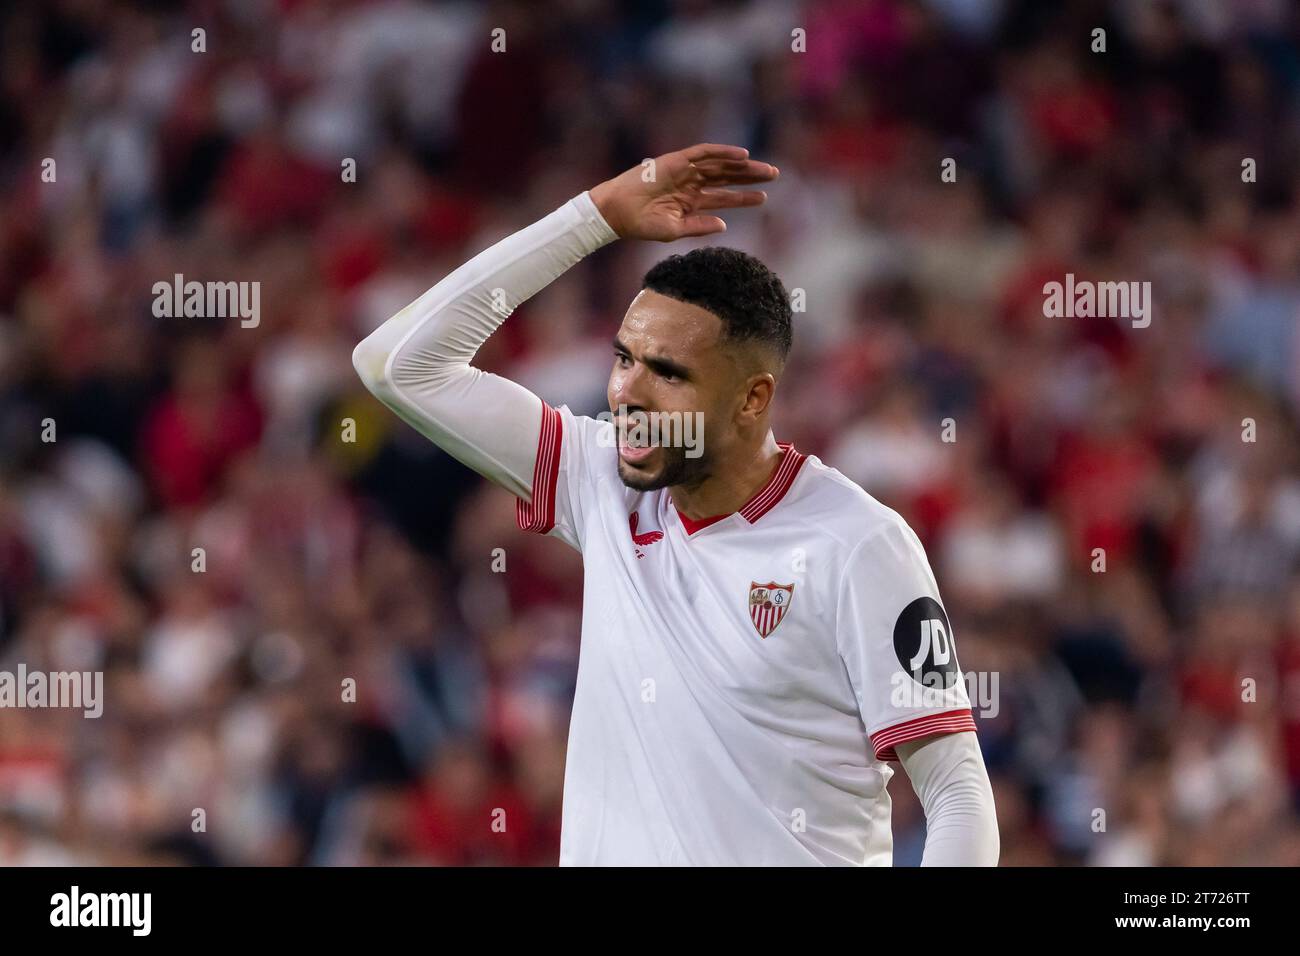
[{"x": 685, "y": 187}]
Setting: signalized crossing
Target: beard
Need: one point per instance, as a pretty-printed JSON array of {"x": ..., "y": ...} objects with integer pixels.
[{"x": 674, "y": 469}]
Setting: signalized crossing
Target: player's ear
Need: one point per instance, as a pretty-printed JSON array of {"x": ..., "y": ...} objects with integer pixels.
[{"x": 758, "y": 395}]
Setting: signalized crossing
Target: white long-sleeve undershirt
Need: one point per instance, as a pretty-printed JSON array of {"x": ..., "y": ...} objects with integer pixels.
[
  {"x": 417, "y": 363},
  {"x": 948, "y": 775}
]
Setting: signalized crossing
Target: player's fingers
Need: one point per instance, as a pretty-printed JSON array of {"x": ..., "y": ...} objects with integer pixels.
[
  {"x": 701, "y": 226},
  {"x": 715, "y": 198},
  {"x": 732, "y": 173},
  {"x": 703, "y": 151}
]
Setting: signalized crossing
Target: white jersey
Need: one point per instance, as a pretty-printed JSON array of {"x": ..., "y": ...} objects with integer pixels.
[{"x": 740, "y": 683}]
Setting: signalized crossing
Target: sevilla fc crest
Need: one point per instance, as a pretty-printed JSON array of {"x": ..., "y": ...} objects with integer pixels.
[{"x": 768, "y": 604}]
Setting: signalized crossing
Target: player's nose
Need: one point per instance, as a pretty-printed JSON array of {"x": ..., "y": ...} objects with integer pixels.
[{"x": 627, "y": 387}]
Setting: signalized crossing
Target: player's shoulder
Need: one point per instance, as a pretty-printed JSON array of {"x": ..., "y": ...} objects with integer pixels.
[
  {"x": 588, "y": 425},
  {"x": 831, "y": 501},
  {"x": 589, "y": 433}
]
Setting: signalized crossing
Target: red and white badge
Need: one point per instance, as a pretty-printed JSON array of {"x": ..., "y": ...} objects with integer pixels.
[{"x": 768, "y": 604}]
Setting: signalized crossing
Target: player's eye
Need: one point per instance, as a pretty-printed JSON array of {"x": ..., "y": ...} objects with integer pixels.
[{"x": 622, "y": 359}]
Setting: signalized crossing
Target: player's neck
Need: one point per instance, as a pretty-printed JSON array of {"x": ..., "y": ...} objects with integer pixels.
[{"x": 732, "y": 485}]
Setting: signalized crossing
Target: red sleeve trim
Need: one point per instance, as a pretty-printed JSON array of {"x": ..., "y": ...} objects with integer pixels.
[
  {"x": 539, "y": 514},
  {"x": 930, "y": 725}
]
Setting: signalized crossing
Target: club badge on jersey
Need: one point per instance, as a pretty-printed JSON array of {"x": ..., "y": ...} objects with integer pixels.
[{"x": 768, "y": 604}]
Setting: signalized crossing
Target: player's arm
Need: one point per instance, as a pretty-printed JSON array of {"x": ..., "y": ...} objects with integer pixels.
[
  {"x": 948, "y": 775},
  {"x": 417, "y": 362},
  {"x": 898, "y": 649}
]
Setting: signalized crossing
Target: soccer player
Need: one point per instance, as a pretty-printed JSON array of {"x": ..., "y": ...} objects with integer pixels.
[{"x": 759, "y": 634}]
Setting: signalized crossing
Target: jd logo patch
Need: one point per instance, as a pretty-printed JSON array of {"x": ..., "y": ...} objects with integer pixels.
[{"x": 923, "y": 642}]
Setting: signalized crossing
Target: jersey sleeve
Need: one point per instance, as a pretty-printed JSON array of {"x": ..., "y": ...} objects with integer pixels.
[
  {"x": 574, "y": 452},
  {"x": 896, "y": 642}
]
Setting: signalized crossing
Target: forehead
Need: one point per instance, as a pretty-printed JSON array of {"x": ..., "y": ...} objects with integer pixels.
[{"x": 665, "y": 323}]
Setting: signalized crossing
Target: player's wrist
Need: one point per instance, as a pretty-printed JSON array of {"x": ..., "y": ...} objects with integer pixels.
[{"x": 603, "y": 198}]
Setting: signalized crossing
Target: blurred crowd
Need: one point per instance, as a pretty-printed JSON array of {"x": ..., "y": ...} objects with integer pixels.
[{"x": 340, "y": 675}]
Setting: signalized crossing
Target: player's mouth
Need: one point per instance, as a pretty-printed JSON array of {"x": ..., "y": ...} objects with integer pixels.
[{"x": 634, "y": 454}]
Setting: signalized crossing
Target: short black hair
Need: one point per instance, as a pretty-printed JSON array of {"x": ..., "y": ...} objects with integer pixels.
[{"x": 746, "y": 295}]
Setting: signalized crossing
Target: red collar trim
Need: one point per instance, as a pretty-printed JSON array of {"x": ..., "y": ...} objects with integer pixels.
[
  {"x": 766, "y": 498},
  {"x": 777, "y": 486},
  {"x": 692, "y": 526}
]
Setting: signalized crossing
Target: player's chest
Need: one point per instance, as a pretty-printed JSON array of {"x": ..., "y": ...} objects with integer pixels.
[{"x": 748, "y": 608}]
